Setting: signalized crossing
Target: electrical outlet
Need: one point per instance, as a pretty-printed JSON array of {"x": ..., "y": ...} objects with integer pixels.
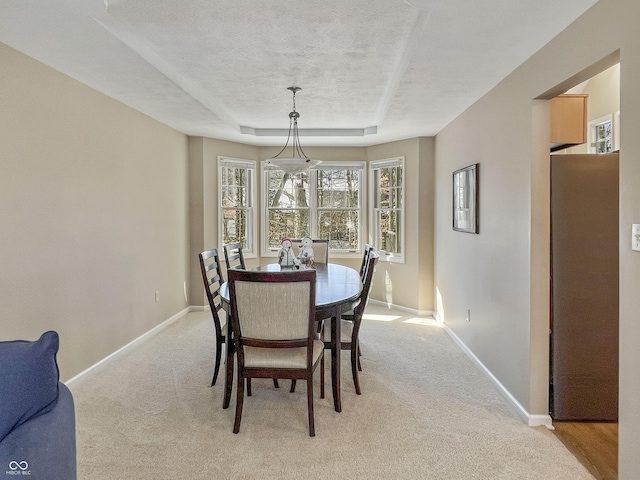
[
  {"x": 157, "y": 296},
  {"x": 468, "y": 314}
]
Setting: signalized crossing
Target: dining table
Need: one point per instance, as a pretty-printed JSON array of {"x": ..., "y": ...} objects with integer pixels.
[{"x": 338, "y": 290}]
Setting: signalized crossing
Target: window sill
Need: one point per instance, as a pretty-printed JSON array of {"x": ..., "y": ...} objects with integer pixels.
[{"x": 390, "y": 258}]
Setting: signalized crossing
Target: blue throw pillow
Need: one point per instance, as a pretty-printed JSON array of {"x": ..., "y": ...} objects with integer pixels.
[{"x": 28, "y": 380}]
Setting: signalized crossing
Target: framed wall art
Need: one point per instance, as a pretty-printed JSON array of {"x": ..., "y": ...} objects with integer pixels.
[{"x": 465, "y": 199}]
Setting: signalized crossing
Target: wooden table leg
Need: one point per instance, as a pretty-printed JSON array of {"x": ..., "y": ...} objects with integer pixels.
[
  {"x": 228, "y": 375},
  {"x": 335, "y": 361}
]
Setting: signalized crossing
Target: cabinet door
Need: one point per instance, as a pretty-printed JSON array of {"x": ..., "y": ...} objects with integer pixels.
[{"x": 569, "y": 119}]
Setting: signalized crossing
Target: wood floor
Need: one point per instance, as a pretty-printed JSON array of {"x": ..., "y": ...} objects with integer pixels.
[{"x": 595, "y": 444}]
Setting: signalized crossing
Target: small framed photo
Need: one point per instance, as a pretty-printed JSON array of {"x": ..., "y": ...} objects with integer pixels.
[{"x": 465, "y": 199}]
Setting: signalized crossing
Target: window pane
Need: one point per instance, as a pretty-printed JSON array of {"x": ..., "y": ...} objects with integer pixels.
[
  {"x": 397, "y": 197},
  {"x": 604, "y": 137},
  {"x": 383, "y": 187},
  {"x": 353, "y": 199},
  {"x": 285, "y": 191},
  {"x": 337, "y": 188},
  {"x": 324, "y": 188},
  {"x": 385, "y": 179},
  {"x": 237, "y": 197},
  {"x": 225, "y": 196},
  {"x": 287, "y": 223},
  {"x": 398, "y": 176},
  {"x": 234, "y": 187},
  {"x": 352, "y": 187},
  {"x": 288, "y": 197},
  {"x": 234, "y": 226},
  {"x": 340, "y": 227},
  {"x": 389, "y": 231}
]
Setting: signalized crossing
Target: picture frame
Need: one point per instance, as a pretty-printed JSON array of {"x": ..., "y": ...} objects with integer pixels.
[{"x": 465, "y": 199}]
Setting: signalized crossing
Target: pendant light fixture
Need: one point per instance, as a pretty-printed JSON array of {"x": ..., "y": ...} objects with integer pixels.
[{"x": 298, "y": 161}]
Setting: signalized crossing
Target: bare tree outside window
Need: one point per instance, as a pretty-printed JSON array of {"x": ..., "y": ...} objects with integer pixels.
[
  {"x": 388, "y": 208},
  {"x": 236, "y": 201},
  {"x": 338, "y": 208},
  {"x": 320, "y": 203},
  {"x": 604, "y": 137},
  {"x": 288, "y": 200}
]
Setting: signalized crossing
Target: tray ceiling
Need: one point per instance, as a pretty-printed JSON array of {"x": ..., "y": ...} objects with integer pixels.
[{"x": 370, "y": 71}]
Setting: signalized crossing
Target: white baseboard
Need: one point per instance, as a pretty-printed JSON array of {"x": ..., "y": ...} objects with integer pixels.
[
  {"x": 422, "y": 313},
  {"x": 531, "y": 420},
  {"x": 131, "y": 344}
]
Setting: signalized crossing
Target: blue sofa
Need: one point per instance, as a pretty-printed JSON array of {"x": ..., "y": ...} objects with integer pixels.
[{"x": 37, "y": 414}]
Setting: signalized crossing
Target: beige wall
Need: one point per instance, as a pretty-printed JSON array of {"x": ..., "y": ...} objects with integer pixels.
[
  {"x": 93, "y": 215},
  {"x": 502, "y": 273},
  {"x": 604, "y": 93},
  {"x": 411, "y": 284}
]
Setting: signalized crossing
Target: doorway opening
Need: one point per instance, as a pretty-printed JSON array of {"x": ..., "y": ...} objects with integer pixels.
[{"x": 583, "y": 387}]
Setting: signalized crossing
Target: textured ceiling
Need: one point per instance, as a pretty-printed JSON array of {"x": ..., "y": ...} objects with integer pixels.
[{"x": 371, "y": 71}]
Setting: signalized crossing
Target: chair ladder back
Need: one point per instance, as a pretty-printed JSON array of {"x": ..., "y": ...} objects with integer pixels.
[
  {"x": 366, "y": 285},
  {"x": 365, "y": 257},
  {"x": 320, "y": 249},
  {"x": 212, "y": 279},
  {"x": 233, "y": 255}
]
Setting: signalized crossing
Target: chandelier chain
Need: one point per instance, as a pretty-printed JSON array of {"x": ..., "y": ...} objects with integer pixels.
[{"x": 299, "y": 161}]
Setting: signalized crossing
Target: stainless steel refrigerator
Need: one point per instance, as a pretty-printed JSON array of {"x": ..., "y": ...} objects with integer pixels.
[{"x": 584, "y": 287}]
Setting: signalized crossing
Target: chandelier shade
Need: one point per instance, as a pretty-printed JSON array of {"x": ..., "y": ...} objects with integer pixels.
[{"x": 298, "y": 162}]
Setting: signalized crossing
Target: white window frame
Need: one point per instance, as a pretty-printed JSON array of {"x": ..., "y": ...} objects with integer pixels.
[
  {"x": 591, "y": 129},
  {"x": 616, "y": 131},
  {"x": 393, "y": 257},
  {"x": 251, "y": 249},
  {"x": 313, "y": 207}
]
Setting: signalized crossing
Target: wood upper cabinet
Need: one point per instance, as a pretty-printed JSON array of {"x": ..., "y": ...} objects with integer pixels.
[{"x": 569, "y": 119}]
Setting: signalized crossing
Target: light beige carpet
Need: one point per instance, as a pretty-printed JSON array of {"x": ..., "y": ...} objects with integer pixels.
[{"x": 425, "y": 412}]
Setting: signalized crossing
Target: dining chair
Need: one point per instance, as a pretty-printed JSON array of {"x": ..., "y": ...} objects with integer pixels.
[
  {"x": 350, "y": 325},
  {"x": 349, "y": 315},
  {"x": 273, "y": 328},
  {"x": 320, "y": 249},
  {"x": 320, "y": 255},
  {"x": 233, "y": 256},
  {"x": 213, "y": 279},
  {"x": 368, "y": 248},
  {"x": 365, "y": 257}
]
